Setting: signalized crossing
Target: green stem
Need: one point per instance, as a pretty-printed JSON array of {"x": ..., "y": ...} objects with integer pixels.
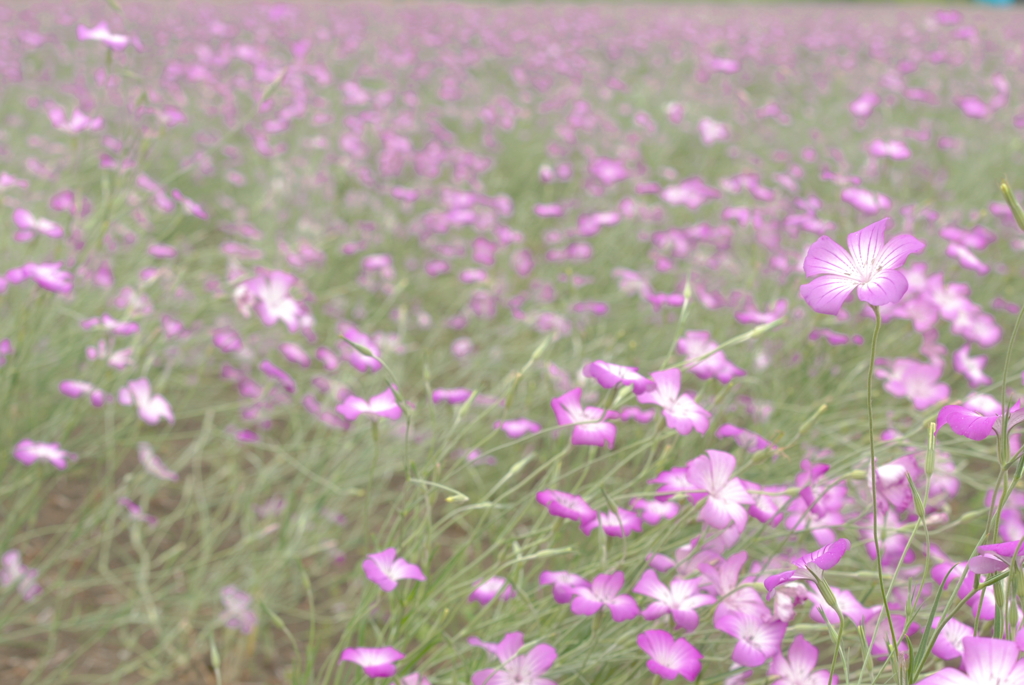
[{"x": 874, "y": 479}]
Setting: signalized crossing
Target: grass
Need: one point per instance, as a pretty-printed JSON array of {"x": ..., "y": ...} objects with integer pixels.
[{"x": 288, "y": 513}]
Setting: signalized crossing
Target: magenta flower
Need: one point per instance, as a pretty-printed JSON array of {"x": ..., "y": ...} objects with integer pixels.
[
  {"x": 359, "y": 361},
  {"x": 153, "y": 464},
  {"x": 710, "y": 478},
  {"x": 136, "y": 512},
  {"x": 237, "y": 613},
  {"x": 152, "y": 408},
  {"x": 515, "y": 668},
  {"x": 487, "y": 590},
  {"x": 562, "y": 584},
  {"x": 279, "y": 375},
  {"x": 972, "y": 368},
  {"x": 451, "y": 395},
  {"x": 682, "y": 597},
  {"x": 517, "y": 428},
  {"x": 29, "y": 224},
  {"x": 811, "y": 563},
  {"x": 996, "y": 557},
  {"x": 681, "y": 412},
  {"x": 870, "y": 268},
  {"x": 376, "y": 662},
  {"x": 610, "y": 375},
  {"x": 670, "y": 658},
  {"x": 267, "y": 292},
  {"x": 385, "y": 570},
  {"x": 604, "y": 591},
  {"x": 617, "y": 524},
  {"x": 974, "y": 423},
  {"x": 895, "y": 149},
  {"x": 748, "y": 440},
  {"x": 13, "y": 572},
  {"x": 757, "y": 637},
  {"x": 798, "y": 669},
  {"x": 588, "y": 428},
  {"x": 29, "y": 451},
  {"x": 101, "y": 33},
  {"x": 696, "y": 344},
  {"x": 655, "y": 510},
  {"x": 917, "y": 381},
  {"x": 566, "y": 505},
  {"x": 949, "y": 644},
  {"x": 49, "y": 276},
  {"x": 383, "y": 404},
  {"x": 867, "y": 202},
  {"x": 985, "y": 660},
  {"x": 76, "y": 389}
]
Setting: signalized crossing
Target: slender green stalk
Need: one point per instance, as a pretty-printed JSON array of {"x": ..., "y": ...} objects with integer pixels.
[{"x": 874, "y": 477}]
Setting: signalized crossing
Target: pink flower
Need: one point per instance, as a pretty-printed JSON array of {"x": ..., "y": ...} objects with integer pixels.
[
  {"x": 865, "y": 104},
  {"x": 152, "y": 408},
  {"x": 681, "y": 598},
  {"x": 566, "y": 505},
  {"x": 135, "y": 511},
  {"x": 385, "y": 570},
  {"x": 517, "y": 428},
  {"x": 996, "y": 557},
  {"x": 870, "y": 268},
  {"x": 376, "y": 662},
  {"x": 669, "y": 658},
  {"x": 896, "y": 149},
  {"x": 278, "y": 374},
  {"x": 588, "y": 428},
  {"x": 361, "y": 362},
  {"x": 985, "y": 660},
  {"x": 972, "y": 368},
  {"x": 29, "y": 451},
  {"x": 976, "y": 422},
  {"x": 451, "y": 395},
  {"x": 712, "y": 131},
  {"x": 383, "y": 404},
  {"x": 153, "y": 464},
  {"x": 604, "y": 591},
  {"x": 710, "y": 478},
  {"x": 50, "y": 277},
  {"x": 748, "y": 440},
  {"x": 950, "y": 642},
  {"x": 487, "y": 590},
  {"x": 865, "y": 201},
  {"x": 610, "y": 375},
  {"x": 515, "y": 668},
  {"x": 29, "y": 224},
  {"x": 12, "y": 572},
  {"x": 562, "y": 584},
  {"x": 697, "y": 344},
  {"x": 916, "y": 381},
  {"x": 101, "y": 33},
  {"x": 798, "y": 669},
  {"x": 655, "y": 510},
  {"x": 617, "y": 524},
  {"x": 757, "y": 637},
  {"x": 268, "y": 293},
  {"x": 237, "y": 613},
  {"x": 692, "y": 192},
  {"x": 810, "y": 564},
  {"x": 681, "y": 412}
]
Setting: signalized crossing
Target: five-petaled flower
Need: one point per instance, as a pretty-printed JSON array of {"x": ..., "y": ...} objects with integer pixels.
[{"x": 870, "y": 267}]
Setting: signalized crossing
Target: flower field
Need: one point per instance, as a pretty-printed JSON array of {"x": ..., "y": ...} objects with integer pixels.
[{"x": 435, "y": 344}]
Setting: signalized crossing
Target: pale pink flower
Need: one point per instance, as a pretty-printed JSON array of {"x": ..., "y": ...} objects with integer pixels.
[
  {"x": 681, "y": 412},
  {"x": 152, "y": 408},
  {"x": 985, "y": 660},
  {"x": 670, "y": 657},
  {"x": 29, "y": 451},
  {"x": 376, "y": 662},
  {"x": 710, "y": 478},
  {"x": 14, "y": 572},
  {"x": 237, "y": 613},
  {"x": 798, "y": 668},
  {"x": 697, "y": 344},
  {"x": 682, "y": 597},
  {"x": 487, "y": 590},
  {"x": 604, "y": 591},
  {"x": 383, "y": 405},
  {"x": 757, "y": 638},
  {"x": 385, "y": 570}
]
